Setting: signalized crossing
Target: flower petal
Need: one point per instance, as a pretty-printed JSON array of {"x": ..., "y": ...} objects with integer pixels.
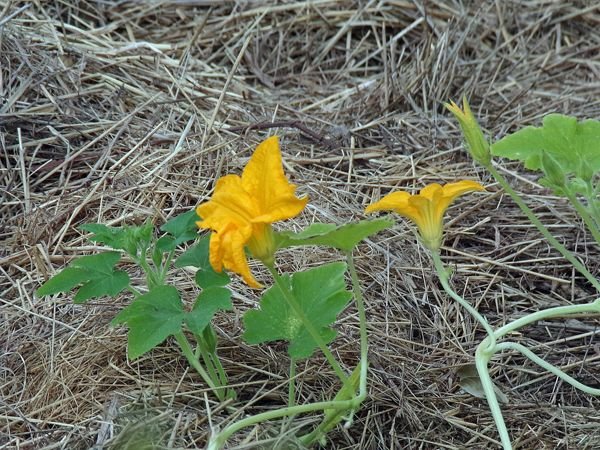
[
  {"x": 216, "y": 252},
  {"x": 398, "y": 202},
  {"x": 461, "y": 187},
  {"x": 234, "y": 256},
  {"x": 264, "y": 181},
  {"x": 229, "y": 203},
  {"x": 452, "y": 190},
  {"x": 431, "y": 191}
]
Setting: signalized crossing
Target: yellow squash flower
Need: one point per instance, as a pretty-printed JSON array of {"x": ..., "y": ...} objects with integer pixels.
[
  {"x": 242, "y": 209},
  {"x": 427, "y": 208}
]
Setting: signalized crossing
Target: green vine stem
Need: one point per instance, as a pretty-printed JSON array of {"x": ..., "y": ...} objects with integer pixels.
[
  {"x": 546, "y": 365},
  {"x": 362, "y": 317},
  {"x": 443, "y": 275},
  {"x": 541, "y": 227},
  {"x": 548, "y": 313},
  {"x": 217, "y": 441},
  {"x": 289, "y": 298},
  {"x": 485, "y": 352},
  {"x": 292, "y": 384},
  {"x": 482, "y": 358}
]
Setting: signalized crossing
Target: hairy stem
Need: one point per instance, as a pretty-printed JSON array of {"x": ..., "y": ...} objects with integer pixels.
[
  {"x": 546, "y": 365},
  {"x": 557, "y": 311},
  {"x": 189, "y": 354},
  {"x": 217, "y": 441},
  {"x": 443, "y": 275},
  {"x": 590, "y": 223},
  {"x": 541, "y": 227}
]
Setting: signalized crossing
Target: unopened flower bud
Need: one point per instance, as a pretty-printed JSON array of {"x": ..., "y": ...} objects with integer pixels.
[{"x": 478, "y": 147}]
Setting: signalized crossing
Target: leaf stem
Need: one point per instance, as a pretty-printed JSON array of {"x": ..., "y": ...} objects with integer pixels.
[
  {"x": 134, "y": 291},
  {"x": 165, "y": 266},
  {"x": 292, "y": 383},
  {"x": 582, "y": 211},
  {"x": 186, "y": 348},
  {"x": 290, "y": 299},
  {"x": 362, "y": 317},
  {"x": 592, "y": 198},
  {"x": 325, "y": 425},
  {"x": 541, "y": 227},
  {"x": 213, "y": 365},
  {"x": 208, "y": 362}
]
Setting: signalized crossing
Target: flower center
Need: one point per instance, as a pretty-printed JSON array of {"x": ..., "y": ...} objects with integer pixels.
[{"x": 262, "y": 243}]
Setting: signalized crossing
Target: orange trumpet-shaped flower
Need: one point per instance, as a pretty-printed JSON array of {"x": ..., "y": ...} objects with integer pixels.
[
  {"x": 242, "y": 209},
  {"x": 427, "y": 208}
]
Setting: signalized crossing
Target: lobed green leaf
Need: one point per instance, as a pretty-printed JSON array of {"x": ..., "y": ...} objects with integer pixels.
[
  {"x": 321, "y": 295},
  {"x": 210, "y": 300},
  {"x": 151, "y": 318},
  {"x": 573, "y": 146},
  {"x": 344, "y": 237},
  {"x": 95, "y": 273},
  {"x": 182, "y": 228},
  {"x": 158, "y": 314}
]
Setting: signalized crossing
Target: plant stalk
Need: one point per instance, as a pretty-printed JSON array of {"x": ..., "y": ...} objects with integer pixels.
[
  {"x": 541, "y": 227},
  {"x": 186, "y": 348},
  {"x": 443, "y": 275}
]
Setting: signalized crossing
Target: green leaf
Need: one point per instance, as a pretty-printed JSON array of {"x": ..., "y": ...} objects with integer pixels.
[
  {"x": 101, "y": 262},
  {"x": 344, "y": 237},
  {"x": 207, "y": 304},
  {"x": 471, "y": 383},
  {"x": 314, "y": 230},
  {"x": 95, "y": 273},
  {"x": 320, "y": 293},
  {"x": 151, "y": 318},
  {"x": 63, "y": 281},
  {"x": 132, "y": 239},
  {"x": 113, "y": 237},
  {"x": 198, "y": 256},
  {"x": 573, "y": 145},
  {"x": 109, "y": 283},
  {"x": 165, "y": 243},
  {"x": 183, "y": 228}
]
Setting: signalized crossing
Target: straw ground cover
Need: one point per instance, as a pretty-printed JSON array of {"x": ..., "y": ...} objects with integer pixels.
[{"x": 117, "y": 112}]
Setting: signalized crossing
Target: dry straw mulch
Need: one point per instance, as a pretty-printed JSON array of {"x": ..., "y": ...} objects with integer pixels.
[{"x": 122, "y": 111}]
